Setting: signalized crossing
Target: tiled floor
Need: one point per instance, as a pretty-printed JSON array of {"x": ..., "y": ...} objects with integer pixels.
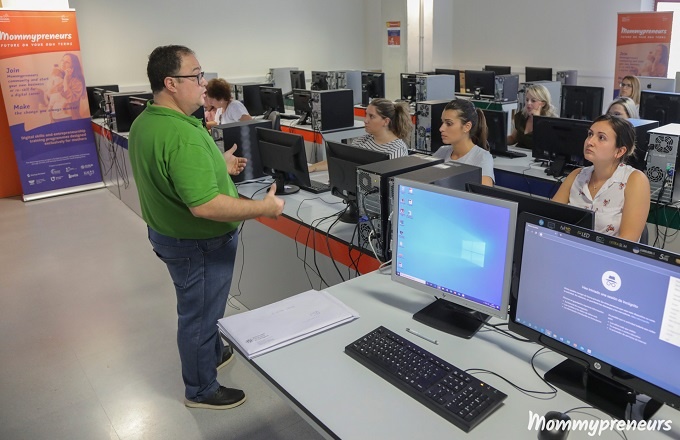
[{"x": 87, "y": 325}]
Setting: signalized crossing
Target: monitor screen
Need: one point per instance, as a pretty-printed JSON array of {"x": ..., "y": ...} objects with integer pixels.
[
  {"x": 408, "y": 87},
  {"x": 660, "y": 106},
  {"x": 319, "y": 80},
  {"x": 656, "y": 84},
  {"x": 297, "y": 79},
  {"x": 497, "y": 124},
  {"x": 498, "y": 70},
  {"x": 284, "y": 158},
  {"x": 581, "y": 102},
  {"x": 532, "y": 74},
  {"x": 456, "y": 246},
  {"x": 342, "y": 161},
  {"x": 302, "y": 103},
  {"x": 611, "y": 307},
  {"x": 272, "y": 100},
  {"x": 372, "y": 86},
  {"x": 95, "y": 97},
  {"x": 480, "y": 82},
  {"x": 561, "y": 141}
]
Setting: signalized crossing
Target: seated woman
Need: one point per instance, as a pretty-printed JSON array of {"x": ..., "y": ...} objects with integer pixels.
[
  {"x": 387, "y": 124},
  {"x": 464, "y": 129},
  {"x": 227, "y": 109},
  {"x": 618, "y": 193},
  {"x": 536, "y": 103},
  {"x": 624, "y": 108},
  {"x": 630, "y": 88}
]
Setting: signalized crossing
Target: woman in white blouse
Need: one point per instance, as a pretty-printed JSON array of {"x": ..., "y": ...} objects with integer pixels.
[{"x": 227, "y": 109}]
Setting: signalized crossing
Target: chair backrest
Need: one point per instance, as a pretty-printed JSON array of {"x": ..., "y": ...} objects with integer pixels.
[
  {"x": 644, "y": 238},
  {"x": 275, "y": 117}
]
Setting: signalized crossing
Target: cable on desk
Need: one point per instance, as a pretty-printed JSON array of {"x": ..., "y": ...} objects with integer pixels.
[
  {"x": 495, "y": 328},
  {"x": 620, "y": 432},
  {"x": 349, "y": 254},
  {"x": 369, "y": 220},
  {"x": 328, "y": 244}
]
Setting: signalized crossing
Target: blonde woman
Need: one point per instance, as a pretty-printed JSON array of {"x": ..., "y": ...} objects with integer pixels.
[{"x": 536, "y": 103}]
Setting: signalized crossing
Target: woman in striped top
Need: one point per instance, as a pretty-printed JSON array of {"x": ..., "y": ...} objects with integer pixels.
[{"x": 387, "y": 124}]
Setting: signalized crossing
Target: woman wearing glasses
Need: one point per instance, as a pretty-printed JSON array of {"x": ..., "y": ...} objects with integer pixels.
[
  {"x": 624, "y": 108},
  {"x": 630, "y": 88},
  {"x": 227, "y": 109}
]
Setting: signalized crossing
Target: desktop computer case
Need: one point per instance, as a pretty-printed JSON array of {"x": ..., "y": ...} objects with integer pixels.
[
  {"x": 554, "y": 87},
  {"x": 244, "y": 135},
  {"x": 116, "y": 103},
  {"x": 567, "y": 77},
  {"x": 428, "y": 120},
  {"x": 332, "y": 109},
  {"x": 373, "y": 195},
  {"x": 435, "y": 87},
  {"x": 249, "y": 95},
  {"x": 662, "y": 159},
  {"x": 346, "y": 79},
  {"x": 642, "y": 128},
  {"x": 506, "y": 88},
  {"x": 280, "y": 77}
]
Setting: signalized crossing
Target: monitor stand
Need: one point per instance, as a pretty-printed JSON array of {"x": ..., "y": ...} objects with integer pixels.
[
  {"x": 598, "y": 391},
  {"x": 556, "y": 167},
  {"x": 452, "y": 318},
  {"x": 283, "y": 188},
  {"x": 351, "y": 214}
]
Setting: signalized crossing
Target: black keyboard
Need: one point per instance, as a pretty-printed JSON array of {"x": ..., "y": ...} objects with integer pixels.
[
  {"x": 508, "y": 153},
  {"x": 288, "y": 116},
  {"x": 316, "y": 187},
  {"x": 450, "y": 392}
]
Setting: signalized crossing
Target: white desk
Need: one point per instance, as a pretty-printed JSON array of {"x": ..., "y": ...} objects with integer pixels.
[{"x": 343, "y": 399}]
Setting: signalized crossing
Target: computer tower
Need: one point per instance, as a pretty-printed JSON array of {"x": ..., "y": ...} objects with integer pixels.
[
  {"x": 249, "y": 95},
  {"x": 662, "y": 158},
  {"x": 642, "y": 127},
  {"x": 244, "y": 135},
  {"x": 567, "y": 77},
  {"x": 347, "y": 79},
  {"x": 332, "y": 109},
  {"x": 554, "y": 87},
  {"x": 118, "y": 109},
  {"x": 506, "y": 87},
  {"x": 373, "y": 194},
  {"x": 280, "y": 78},
  {"x": 433, "y": 87},
  {"x": 428, "y": 121}
]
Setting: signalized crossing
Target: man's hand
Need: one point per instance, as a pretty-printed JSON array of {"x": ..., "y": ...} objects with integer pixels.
[
  {"x": 274, "y": 204},
  {"x": 235, "y": 165}
]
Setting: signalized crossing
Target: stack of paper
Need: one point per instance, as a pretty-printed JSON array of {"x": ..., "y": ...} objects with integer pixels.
[{"x": 281, "y": 323}]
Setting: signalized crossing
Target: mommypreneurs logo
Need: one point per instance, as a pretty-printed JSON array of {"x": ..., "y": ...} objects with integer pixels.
[{"x": 595, "y": 427}]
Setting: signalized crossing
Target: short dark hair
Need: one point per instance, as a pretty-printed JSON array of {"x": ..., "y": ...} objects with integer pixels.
[
  {"x": 219, "y": 89},
  {"x": 165, "y": 61}
]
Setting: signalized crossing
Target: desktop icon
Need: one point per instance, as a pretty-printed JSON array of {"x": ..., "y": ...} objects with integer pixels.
[{"x": 611, "y": 281}]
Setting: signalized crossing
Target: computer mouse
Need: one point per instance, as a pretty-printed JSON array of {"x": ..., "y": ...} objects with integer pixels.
[{"x": 555, "y": 427}]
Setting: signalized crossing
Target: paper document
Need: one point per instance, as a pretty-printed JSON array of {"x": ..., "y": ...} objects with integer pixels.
[{"x": 281, "y": 323}]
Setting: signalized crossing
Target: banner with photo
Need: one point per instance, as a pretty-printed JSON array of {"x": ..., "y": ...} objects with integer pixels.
[
  {"x": 643, "y": 45},
  {"x": 43, "y": 87}
]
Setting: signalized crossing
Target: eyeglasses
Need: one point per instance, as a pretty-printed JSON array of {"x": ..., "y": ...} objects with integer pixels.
[
  {"x": 627, "y": 85},
  {"x": 199, "y": 76}
]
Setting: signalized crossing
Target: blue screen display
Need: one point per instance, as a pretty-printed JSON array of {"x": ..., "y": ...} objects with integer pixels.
[{"x": 452, "y": 244}]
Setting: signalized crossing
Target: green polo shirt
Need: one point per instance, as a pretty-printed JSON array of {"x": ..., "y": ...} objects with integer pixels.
[{"x": 177, "y": 165}]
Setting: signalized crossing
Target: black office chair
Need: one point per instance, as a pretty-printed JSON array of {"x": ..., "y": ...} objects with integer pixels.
[
  {"x": 275, "y": 117},
  {"x": 644, "y": 238}
]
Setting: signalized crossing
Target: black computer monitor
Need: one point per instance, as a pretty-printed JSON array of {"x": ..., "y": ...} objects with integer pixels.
[
  {"x": 283, "y": 157},
  {"x": 609, "y": 308},
  {"x": 560, "y": 140},
  {"x": 573, "y": 215},
  {"x": 297, "y": 79},
  {"x": 342, "y": 161},
  {"x": 660, "y": 106},
  {"x": 497, "y": 124},
  {"x": 136, "y": 105},
  {"x": 319, "y": 80},
  {"x": 272, "y": 100},
  {"x": 581, "y": 102},
  {"x": 480, "y": 83},
  {"x": 454, "y": 72},
  {"x": 372, "y": 86},
  {"x": 95, "y": 97},
  {"x": 532, "y": 74},
  {"x": 498, "y": 70},
  {"x": 408, "y": 87},
  {"x": 464, "y": 260},
  {"x": 302, "y": 103},
  {"x": 244, "y": 135}
]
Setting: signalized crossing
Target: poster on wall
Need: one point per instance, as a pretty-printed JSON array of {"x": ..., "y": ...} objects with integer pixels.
[
  {"x": 643, "y": 45},
  {"x": 43, "y": 87},
  {"x": 394, "y": 33}
]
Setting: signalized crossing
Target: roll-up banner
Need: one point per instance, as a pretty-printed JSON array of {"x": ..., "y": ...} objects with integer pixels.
[
  {"x": 43, "y": 87},
  {"x": 643, "y": 44}
]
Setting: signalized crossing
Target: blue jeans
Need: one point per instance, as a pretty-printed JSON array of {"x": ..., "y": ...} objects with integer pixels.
[{"x": 201, "y": 271}]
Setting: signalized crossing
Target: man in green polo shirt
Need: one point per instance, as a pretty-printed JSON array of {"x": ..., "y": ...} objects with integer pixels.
[{"x": 193, "y": 211}]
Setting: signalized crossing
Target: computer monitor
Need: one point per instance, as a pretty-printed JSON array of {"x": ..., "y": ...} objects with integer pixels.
[
  {"x": 610, "y": 308},
  {"x": 581, "y": 102},
  {"x": 480, "y": 82},
  {"x": 463, "y": 259},
  {"x": 497, "y": 124},
  {"x": 656, "y": 84},
  {"x": 283, "y": 157},
  {"x": 573, "y": 215},
  {"x": 342, "y": 161},
  {"x": 244, "y": 135},
  {"x": 561, "y": 141},
  {"x": 498, "y": 70},
  {"x": 272, "y": 100},
  {"x": 319, "y": 80},
  {"x": 136, "y": 105},
  {"x": 302, "y": 103},
  {"x": 532, "y": 74},
  {"x": 95, "y": 97},
  {"x": 372, "y": 86},
  {"x": 660, "y": 106},
  {"x": 297, "y": 79},
  {"x": 408, "y": 87}
]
